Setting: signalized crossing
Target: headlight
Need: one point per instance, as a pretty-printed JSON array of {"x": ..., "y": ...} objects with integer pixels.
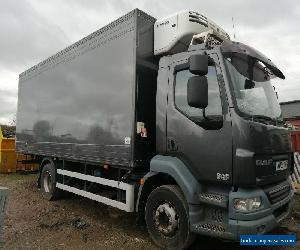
[{"x": 247, "y": 204}]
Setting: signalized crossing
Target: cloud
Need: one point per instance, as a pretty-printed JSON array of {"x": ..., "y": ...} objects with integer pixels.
[
  {"x": 8, "y": 104},
  {"x": 32, "y": 30},
  {"x": 26, "y": 35}
]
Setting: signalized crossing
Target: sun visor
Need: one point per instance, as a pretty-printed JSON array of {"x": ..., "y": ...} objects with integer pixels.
[{"x": 240, "y": 52}]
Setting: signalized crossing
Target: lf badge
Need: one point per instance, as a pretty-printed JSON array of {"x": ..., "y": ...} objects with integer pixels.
[{"x": 281, "y": 165}]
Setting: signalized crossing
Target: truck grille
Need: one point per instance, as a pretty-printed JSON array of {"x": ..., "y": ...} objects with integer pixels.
[
  {"x": 281, "y": 210},
  {"x": 278, "y": 193}
]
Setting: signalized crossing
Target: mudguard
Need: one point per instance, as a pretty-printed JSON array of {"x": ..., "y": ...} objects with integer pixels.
[{"x": 179, "y": 172}]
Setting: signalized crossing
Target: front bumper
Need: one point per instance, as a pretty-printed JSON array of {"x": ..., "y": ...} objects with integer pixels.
[
  {"x": 227, "y": 223},
  {"x": 259, "y": 226}
]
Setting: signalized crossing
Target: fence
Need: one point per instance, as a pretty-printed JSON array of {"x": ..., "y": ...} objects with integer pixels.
[{"x": 295, "y": 177}]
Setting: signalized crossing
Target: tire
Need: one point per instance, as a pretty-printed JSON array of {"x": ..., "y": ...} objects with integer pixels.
[
  {"x": 167, "y": 218},
  {"x": 48, "y": 182}
]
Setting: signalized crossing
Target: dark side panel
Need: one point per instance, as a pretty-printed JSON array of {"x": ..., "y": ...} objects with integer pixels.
[{"x": 80, "y": 103}]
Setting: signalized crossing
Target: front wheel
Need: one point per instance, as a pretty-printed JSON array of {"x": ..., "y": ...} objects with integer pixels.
[{"x": 167, "y": 218}]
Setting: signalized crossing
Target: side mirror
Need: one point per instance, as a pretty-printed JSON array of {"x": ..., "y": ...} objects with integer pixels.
[
  {"x": 198, "y": 64},
  {"x": 197, "y": 92}
]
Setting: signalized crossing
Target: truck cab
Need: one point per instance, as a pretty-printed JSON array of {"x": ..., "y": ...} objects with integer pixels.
[{"x": 221, "y": 136}]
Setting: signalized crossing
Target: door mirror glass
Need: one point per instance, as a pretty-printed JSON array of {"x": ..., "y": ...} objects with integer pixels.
[
  {"x": 198, "y": 64},
  {"x": 197, "y": 92}
]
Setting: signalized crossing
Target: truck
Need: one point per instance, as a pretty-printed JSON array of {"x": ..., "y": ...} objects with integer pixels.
[{"x": 169, "y": 119}]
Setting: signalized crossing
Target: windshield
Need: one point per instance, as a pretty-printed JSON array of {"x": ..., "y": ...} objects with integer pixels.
[{"x": 253, "y": 89}]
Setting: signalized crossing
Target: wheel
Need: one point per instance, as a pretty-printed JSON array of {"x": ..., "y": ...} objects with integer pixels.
[
  {"x": 167, "y": 218},
  {"x": 48, "y": 182}
]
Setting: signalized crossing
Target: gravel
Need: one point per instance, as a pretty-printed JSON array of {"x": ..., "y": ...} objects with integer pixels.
[{"x": 78, "y": 223}]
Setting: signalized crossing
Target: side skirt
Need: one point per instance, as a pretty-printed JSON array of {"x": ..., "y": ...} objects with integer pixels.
[{"x": 128, "y": 206}]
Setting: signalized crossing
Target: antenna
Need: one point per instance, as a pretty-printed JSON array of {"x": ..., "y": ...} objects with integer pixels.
[{"x": 233, "y": 28}]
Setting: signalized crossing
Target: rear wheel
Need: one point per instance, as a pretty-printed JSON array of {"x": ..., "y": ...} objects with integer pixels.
[
  {"x": 48, "y": 182},
  {"x": 167, "y": 218}
]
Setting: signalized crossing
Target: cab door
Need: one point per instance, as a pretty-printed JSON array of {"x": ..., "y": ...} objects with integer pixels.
[{"x": 202, "y": 140}]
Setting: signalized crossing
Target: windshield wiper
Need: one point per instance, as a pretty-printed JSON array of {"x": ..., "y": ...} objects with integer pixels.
[{"x": 266, "y": 119}]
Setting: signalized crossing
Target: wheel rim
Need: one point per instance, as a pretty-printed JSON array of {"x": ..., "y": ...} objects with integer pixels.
[
  {"x": 166, "y": 219},
  {"x": 47, "y": 182}
]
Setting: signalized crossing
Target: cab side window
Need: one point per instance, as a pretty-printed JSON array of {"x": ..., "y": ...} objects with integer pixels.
[{"x": 214, "y": 107}]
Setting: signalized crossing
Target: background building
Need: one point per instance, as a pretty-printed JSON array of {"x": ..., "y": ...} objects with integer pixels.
[{"x": 291, "y": 112}]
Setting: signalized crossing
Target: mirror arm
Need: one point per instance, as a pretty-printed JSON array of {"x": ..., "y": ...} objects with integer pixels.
[
  {"x": 204, "y": 115},
  {"x": 251, "y": 62}
]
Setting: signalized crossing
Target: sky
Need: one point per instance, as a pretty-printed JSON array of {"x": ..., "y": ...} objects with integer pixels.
[{"x": 33, "y": 30}]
